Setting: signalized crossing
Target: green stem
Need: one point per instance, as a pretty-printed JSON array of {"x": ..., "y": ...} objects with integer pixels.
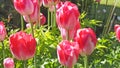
[
  {"x": 85, "y": 62},
  {"x": 22, "y": 23},
  {"x": 82, "y": 6},
  {"x": 51, "y": 19},
  {"x": 32, "y": 31},
  {"x": 3, "y": 49},
  {"x": 48, "y": 19},
  {"x": 54, "y": 17},
  {"x": 86, "y": 5},
  {"x": 25, "y": 66}
]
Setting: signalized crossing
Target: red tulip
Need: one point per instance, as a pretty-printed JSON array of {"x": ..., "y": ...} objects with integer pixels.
[
  {"x": 35, "y": 15},
  {"x": 24, "y": 7},
  {"x": 2, "y": 31},
  {"x": 87, "y": 41},
  {"x": 68, "y": 53},
  {"x": 22, "y": 45},
  {"x": 117, "y": 31},
  {"x": 8, "y": 63},
  {"x": 67, "y": 15}
]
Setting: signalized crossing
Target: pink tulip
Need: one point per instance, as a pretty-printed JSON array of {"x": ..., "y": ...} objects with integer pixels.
[
  {"x": 67, "y": 15},
  {"x": 117, "y": 31},
  {"x": 2, "y": 31},
  {"x": 68, "y": 53},
  {"x": 8, "y": 63},
  {"x": 87, "y": 41},
  {"x": 22, "y": 45},
  {"x": 35, "y": 15},
  {"x": 24, "y": 7}
]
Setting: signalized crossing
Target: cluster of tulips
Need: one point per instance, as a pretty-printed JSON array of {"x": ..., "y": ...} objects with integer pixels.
[{"x": 75, "y": 40}]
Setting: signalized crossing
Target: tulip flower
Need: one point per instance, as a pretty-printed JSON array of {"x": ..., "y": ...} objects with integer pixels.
[
  {"x": 8, "y": 63},
  {"x": 67, "y": 15},
  {"x": 2, "y": 31},
  {"x": 117, "y": 31},
  {"x": 33, "y": 17},
  {"x": 24, "y": 7},
  {"x": 68, "y": 53},
  {"x": 22, "y": 45},
  {"x": 87, "y": 41}
]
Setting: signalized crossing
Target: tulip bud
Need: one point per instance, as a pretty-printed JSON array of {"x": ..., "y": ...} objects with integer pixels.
[
  {"x": 87, "y": 41},
  {"x": 22, "y": 45},
  {"x": 24, "y": 7},
  {"x": 2, "y": 31},
  {"x": 68, "y": 53},
  {"x": 117, "y": 31},
  {"x": 8, "y": 63}
]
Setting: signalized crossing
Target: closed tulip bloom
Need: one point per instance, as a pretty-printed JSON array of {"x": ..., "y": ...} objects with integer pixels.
[
  {"x": 87, "y": 41},
  {"x": 68, "y": 53},
  {"x": 2, "y": 31},
  {"x": 8, "y": 63},
  {"x": 67, "y": 15},
  {"x": 22, "y": 45},
  {"x": 117, "y": 31},
  {"x": 24, "y": 7},
  {"x": 33, "y": 17}
]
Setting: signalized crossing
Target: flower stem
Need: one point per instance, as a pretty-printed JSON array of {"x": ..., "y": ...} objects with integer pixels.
[
  {"x": 48, "y": 18},
  {"x": 3, "y": 49},
  {"x": 22, "y": 23},
  {"x": 32, "y": 31},
  {"x": 54, "y": 17},
  {"x": 25, "y": 66},
  {"x": 85, "y": 62}
]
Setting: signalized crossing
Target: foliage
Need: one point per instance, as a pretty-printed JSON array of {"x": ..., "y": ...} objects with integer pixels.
[{"x": 106, "y": 54}]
